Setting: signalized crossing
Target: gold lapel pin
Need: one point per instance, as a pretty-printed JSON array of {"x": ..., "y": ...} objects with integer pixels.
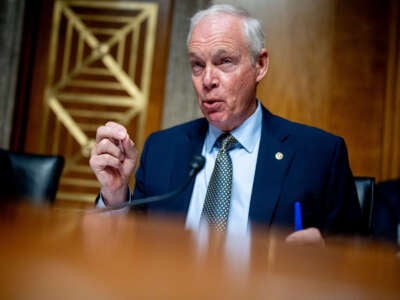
[{"x": 279, "y": 155}]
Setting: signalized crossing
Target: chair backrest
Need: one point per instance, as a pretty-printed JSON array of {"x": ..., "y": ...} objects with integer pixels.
[
  {"x": 365, "y": 191},
  {"x": 33, "y": 177},
  {"x": 386, "y": 217}
]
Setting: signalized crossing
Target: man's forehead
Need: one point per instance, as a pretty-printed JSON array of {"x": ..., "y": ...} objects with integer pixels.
[
  {"x": 214, "y": 52},
  {"x": 217, "y": 36}
]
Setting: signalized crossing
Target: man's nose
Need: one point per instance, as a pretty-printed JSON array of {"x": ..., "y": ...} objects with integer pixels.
[{"x": 210, "y": 78}]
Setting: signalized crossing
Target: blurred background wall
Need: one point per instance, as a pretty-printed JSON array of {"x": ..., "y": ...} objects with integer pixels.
[
  {"x": 335, "y": 64},
  {"x": 11, "y": 22}
]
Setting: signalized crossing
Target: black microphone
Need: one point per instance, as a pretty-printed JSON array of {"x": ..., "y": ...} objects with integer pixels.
[{"x": 196, "y": 164}]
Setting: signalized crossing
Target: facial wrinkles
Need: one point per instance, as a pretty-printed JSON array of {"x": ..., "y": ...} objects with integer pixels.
[
  {"x": 242, "y": 106},
  {"x": 212, "y": 45},
  {"x": 209, "y": 50},
  {"x": 211, "y": 38}
]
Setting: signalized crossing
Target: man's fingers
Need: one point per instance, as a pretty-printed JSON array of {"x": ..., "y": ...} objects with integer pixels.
[
  {"x": 309, "y": 236},
  {"x": 112, "y": 131},
  {"x": 106, "y": 146},
  {"x": 129, "y": 148},
  {"x": 100, "y": 162}
]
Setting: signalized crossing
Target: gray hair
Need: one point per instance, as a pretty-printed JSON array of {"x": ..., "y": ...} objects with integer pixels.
[{"x": 252, "y": 29}]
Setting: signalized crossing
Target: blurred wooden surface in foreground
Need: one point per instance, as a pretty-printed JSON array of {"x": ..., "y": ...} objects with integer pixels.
[{"x": 66, "y": 253}]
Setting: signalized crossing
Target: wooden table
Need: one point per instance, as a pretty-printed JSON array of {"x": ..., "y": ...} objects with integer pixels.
[{"x": 54, "y": 253}]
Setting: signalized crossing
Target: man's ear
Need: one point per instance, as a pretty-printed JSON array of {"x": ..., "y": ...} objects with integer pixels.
[{"x": 262, "y": 64}]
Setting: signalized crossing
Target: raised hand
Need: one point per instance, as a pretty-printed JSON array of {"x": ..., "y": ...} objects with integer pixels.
[{"x": 113, "y": 159}]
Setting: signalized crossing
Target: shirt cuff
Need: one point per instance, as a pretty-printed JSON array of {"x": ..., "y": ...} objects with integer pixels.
[{"x": 99, "y": 202}]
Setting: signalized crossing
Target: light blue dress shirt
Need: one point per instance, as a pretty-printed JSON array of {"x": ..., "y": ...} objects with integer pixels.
[{"x": 244, "y": 160}]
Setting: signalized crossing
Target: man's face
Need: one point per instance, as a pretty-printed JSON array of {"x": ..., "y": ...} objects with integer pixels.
[{"x": 223, "y": 75}]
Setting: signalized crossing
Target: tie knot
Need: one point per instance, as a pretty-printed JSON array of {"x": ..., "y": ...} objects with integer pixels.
[{"x": 226, "y": 141}]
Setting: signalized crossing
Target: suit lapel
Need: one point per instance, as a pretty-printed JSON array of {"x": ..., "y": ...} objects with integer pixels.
[
  {"x": 190, "y": 144},
  {"x": 273, "y": 162}
]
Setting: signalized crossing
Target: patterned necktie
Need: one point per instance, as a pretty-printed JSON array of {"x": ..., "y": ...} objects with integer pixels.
[{"x": 218, "y": 197}]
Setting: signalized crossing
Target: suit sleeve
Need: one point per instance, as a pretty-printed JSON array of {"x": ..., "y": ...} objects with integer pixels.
[
  {"x": 139, "y": 190},
  {"x": 342, "y": 208}
]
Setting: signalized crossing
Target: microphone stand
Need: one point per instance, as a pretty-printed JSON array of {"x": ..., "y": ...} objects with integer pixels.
[{"x": 196, "y": 165}]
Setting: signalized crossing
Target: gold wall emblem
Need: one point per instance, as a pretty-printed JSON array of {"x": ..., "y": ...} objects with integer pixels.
[{"x": 100, "y": 60}]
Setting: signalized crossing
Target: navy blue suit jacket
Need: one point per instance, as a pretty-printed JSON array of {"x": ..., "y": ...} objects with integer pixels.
[{"x": 314, "y": 170}]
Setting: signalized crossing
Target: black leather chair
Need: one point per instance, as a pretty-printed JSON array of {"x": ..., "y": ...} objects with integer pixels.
[
  {"x": 30, "y": 177},
  {"x": 365, "y": 191},
  {"x": 386, "y": 217}
]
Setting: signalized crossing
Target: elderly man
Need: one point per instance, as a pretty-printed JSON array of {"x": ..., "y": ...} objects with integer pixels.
[{"x": 257, "y": 165}]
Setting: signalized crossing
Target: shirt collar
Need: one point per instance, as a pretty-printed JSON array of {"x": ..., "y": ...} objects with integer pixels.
[{"x": 246, "y": 134}]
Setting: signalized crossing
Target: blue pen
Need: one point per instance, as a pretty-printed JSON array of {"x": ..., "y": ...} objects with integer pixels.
[{"x": 298, "y": 220}]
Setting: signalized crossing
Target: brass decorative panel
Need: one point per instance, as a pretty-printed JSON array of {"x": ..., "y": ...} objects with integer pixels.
[{"x": 100, "y": 59}]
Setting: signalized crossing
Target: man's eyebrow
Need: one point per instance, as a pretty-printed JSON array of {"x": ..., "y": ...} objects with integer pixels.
[
  {"x": 225, "y": 52},
  {"x": 216, "y": 53},
  {"x": 220, "y": 52},
  {"x": 193, "y": 55}
]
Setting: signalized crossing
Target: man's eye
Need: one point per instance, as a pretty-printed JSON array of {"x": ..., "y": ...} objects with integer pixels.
[
  {"x": 196, "y": 67},
  {"x": 226, "y": 61}
]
